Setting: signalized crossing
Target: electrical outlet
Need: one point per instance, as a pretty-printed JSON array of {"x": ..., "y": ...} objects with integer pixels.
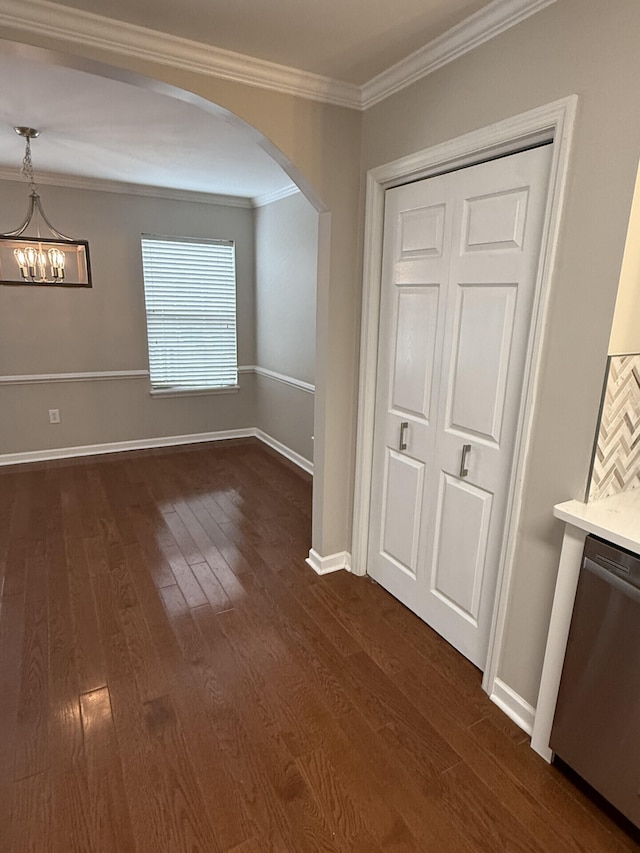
[{"x": 54, "y": 416}]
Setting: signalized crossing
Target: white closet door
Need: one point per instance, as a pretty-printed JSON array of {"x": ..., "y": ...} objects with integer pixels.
[
  {"x": 460, "y": 268},
  {"x": 416, "y": 264}
]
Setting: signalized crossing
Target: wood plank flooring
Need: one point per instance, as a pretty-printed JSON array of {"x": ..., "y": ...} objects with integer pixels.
[{"x": 173, "y": 677}]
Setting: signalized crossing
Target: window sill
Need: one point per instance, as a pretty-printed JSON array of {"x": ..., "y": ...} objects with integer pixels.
[{"x": 193, "y": 392}]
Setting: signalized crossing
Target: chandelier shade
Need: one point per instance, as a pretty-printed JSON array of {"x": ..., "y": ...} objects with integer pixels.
[{"x": 53, "y": 261}]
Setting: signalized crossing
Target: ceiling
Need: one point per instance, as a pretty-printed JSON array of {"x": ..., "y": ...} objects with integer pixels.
[
  {"x": 95, "y": 128},
  {"x": 98, "y": 128},
  {"x": 348, "y": 40}
]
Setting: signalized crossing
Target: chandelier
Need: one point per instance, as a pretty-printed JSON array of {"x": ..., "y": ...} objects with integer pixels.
[{"x": 57, "y": 260}]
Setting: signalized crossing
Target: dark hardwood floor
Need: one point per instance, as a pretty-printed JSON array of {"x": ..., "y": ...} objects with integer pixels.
[{"x": 173, "y": 677}]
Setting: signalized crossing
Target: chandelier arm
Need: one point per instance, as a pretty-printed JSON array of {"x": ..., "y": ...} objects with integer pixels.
[
  {"x": 37, "y": 203},
  {"x": 25, "y": 224}
]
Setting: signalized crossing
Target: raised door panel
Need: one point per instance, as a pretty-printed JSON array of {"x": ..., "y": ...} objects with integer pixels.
[
  {"x": 411, "y": 382},
  {"x": 402, "y": 511},
  {"x": 459, "y": 553},
  {"x": 481, "y": 347},
  {"x": 495, "y": 222},
  {"x": 419, "y": 245},
  {"x": 421, "y": 231}
]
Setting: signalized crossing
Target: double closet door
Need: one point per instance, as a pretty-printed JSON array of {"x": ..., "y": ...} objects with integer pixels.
[{"x": 459, "y": 275}]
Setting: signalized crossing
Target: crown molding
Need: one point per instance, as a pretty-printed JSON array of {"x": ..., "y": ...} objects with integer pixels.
[
  {"x": 475, "y": 30},
  {"x": 44, "y": 18},
  {"x": 106, "y": 186},
  {"x": 54, "y": 20},
  {"x": 276, "y": 195}
]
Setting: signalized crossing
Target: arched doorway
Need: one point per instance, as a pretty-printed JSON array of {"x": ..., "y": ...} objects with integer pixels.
[{"x": 156, "y": 88}]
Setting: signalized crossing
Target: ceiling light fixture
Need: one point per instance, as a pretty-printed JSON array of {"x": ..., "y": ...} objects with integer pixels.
[{"x": 60, "y": 261}]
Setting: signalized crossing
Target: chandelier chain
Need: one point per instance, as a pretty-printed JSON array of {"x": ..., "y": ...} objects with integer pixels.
[{"x": 27, "y": 168}]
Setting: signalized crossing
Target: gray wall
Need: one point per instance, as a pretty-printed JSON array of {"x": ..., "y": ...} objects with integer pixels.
[
  {"x": 58, "y": 330},
  {"x": 286, "y": 414},
  {"x": 574, "y": 46},
  {"x": 286, "y": 282}
]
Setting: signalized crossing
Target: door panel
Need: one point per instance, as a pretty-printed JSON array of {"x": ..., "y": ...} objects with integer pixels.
[
  {"x": 412, "y": 381},
  {"x": 483, "y": 325},
  {"x": 462, "y": 526},
  {"x": 495, "y": 221},
  {"x": 459, "y": 275},
  {"x": 421, "y": 231},
  {"x": 401, "y": 529}
]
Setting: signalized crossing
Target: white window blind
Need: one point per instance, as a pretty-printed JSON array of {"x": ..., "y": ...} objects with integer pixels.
[{"x": 190, "y": 294}]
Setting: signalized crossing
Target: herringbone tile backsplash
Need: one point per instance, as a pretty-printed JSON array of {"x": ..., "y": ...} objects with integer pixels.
[{"x": 616, "y": 465}]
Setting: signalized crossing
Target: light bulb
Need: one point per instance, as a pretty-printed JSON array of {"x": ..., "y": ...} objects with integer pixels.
[
  {"x": 22, "y": 262},
  {"x": 56, "y": 259},
  {"x": 31, "y": 256}
]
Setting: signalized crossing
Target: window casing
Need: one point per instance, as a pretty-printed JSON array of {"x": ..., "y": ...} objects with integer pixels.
[{"x": 190, "y": 296}]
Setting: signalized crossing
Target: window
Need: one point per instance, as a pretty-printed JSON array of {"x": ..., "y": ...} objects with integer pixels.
[{"x": 190, "y": 294}]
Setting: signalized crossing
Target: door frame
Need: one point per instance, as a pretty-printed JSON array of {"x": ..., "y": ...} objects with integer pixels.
[{"x": 553, "y": 123}]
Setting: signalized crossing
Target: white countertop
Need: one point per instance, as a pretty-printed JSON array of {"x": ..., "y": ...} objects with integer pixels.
[{"x": 616, "y": 519}]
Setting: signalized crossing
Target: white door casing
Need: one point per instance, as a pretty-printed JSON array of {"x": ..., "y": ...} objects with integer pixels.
[{"x": 459, "y": 273}]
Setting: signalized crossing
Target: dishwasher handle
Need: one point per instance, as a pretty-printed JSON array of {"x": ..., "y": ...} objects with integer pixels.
[{"x": 619, "y": 584}]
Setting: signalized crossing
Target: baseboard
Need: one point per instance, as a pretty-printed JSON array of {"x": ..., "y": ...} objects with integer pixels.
[
  {"x": 285, "y": 451},
  {"x": 121, "y": 446},
  {"x": 151, "y": 443},
  {"x": 332, "y": 563},
  {"x": 513, "y": 705}
]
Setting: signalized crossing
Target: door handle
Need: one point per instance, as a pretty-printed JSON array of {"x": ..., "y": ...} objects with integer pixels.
[
  {"x": 463, "y": 460},
  {"x": 403, "y": 429}
]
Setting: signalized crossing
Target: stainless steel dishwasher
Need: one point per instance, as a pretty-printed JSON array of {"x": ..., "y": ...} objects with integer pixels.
[{"x": 596, "y": 729}]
